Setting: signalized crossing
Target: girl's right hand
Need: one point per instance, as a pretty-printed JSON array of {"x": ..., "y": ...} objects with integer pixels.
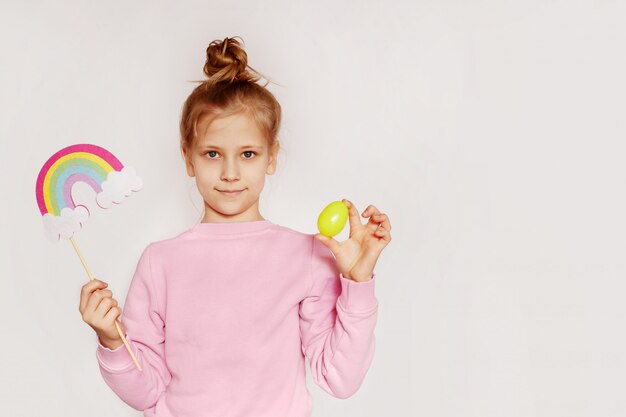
[{"x": 100, "y": 311}]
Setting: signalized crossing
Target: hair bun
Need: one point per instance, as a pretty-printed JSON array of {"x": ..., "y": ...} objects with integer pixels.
[{"x": 226, "y": 60}]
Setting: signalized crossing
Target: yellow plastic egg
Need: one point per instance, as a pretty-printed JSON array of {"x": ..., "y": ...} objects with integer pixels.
[{"x": 333, "y": 218}]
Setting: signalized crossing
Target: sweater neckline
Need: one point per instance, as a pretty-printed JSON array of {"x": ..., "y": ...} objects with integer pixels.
[{"x": 232, "y": 228}]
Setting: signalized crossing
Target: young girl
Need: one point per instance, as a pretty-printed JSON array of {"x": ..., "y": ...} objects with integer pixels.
[{"x": 221, "y": 316}]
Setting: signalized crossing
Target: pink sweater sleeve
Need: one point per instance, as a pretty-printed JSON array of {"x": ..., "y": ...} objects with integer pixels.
[
  {"x": 144, "y": 325},
  {"x": 337, "y": 321}
]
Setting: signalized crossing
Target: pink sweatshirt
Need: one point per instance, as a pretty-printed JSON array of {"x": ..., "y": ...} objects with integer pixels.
[{"x": 221, "y": 316}]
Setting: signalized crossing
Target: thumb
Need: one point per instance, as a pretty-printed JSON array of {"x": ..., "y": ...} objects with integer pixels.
[{"x": 329, "y": 242}]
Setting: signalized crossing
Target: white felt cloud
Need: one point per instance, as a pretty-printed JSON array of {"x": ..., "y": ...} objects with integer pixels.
[
  {"x": 119, "y": 184},
  {"x": 64, "y": 226}
]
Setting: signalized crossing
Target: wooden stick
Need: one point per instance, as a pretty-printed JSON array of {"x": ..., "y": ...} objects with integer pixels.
[{"x": 119, "y": 329}]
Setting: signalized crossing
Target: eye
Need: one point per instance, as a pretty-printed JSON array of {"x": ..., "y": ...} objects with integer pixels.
[{"x": 245, "y": 152}]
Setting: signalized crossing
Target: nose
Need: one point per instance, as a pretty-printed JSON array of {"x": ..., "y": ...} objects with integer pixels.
[{"x": 230, "y": 170}]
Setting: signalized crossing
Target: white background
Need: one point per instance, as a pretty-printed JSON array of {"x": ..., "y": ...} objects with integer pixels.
[{"x": 490, "y": 132}]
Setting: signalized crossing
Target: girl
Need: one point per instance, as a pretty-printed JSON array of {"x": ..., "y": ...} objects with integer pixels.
[{"x": 221, "y": 316}]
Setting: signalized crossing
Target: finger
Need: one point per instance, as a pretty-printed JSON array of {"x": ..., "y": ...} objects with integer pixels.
[
  {"x": 383, "y": 234},
  {"x": 96, "y": 298},
  {"x": 105, "y": 305},
  {"x": 371, "y": 212},
  {"x": 113, "y": 314},
  {"x": 87, "y": 290},
  {"x": 353, "y": 215},
  {"x": 329, "y": 242},
  {"x": 383, "y": 220}
]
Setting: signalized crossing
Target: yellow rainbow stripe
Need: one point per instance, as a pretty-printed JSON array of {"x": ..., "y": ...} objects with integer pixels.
[{"x": 51, "y": 195}]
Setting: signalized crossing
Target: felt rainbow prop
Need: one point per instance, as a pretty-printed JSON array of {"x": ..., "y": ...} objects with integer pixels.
[
  {"x": 87, "y": 163},
  {"x": 104, "y": 173}
]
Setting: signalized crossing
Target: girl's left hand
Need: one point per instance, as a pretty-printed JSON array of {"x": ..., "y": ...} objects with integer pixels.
[{"x": 357, "y": 256}]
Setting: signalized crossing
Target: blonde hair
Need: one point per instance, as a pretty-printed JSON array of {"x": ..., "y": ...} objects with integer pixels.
[{"x": 231, "y": 88}]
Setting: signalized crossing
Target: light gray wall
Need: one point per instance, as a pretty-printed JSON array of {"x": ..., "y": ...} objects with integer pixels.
[{"x": 490, "y": 132}]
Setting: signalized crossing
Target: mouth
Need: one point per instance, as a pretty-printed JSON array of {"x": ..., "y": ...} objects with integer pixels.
[{"x": 232, "y": 193}]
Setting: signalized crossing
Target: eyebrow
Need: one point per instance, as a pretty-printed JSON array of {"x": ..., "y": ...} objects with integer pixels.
[{"x": 241, "y": 147}]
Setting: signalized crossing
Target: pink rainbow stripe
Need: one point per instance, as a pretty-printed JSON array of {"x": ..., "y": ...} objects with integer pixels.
[{"x": 83, "y": 147}]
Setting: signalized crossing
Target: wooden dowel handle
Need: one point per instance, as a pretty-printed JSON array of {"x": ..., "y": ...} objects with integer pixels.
[{"x": 117, "y": 324}]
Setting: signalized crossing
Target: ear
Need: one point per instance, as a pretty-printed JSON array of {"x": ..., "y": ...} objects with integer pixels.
[
  {"x": 271, "y": 167},
  {"x": 188, "y": 164}
]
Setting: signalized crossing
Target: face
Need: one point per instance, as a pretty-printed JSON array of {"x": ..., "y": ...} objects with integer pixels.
[{"x": 231, "y": 155}]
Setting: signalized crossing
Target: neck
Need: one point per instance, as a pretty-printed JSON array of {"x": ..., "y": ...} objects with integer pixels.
[{"x": 219, "y": 218}]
